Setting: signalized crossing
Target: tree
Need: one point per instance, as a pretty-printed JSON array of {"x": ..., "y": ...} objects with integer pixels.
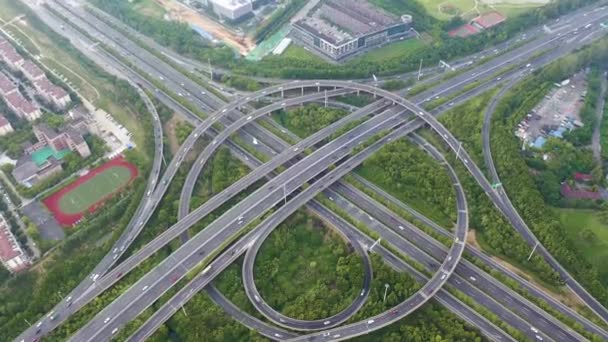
[{"x": 587, "y": 235}]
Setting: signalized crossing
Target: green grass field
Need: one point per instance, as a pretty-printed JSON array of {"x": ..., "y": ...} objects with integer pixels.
[
  {"x": 393, "y": 50},
  {"x": 298, "y": 52},
  {"x": 94, "y": 190},
  {"x": 595, "y": 248}
]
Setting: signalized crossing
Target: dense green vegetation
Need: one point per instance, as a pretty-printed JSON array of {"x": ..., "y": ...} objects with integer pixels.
[
  {"x": 241, "y": 82},
  {"x": 305, "y": 271},
  {"x": 564, "y": 160},
  {"x": 412, "y": 176},
  {"x": 466, "y": 123},
  {"x": 306, "y": 120},
  {"x": 217, "y": 176}
]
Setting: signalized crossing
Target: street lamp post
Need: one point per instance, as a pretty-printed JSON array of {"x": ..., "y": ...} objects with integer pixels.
[
  {"x": 285, "y": 193},
  {"x": 533, "y": 249},
  {"x": 386, "y": 286}
]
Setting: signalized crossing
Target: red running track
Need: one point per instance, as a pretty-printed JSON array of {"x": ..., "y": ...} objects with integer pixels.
[{"x": 66, "y": 220}]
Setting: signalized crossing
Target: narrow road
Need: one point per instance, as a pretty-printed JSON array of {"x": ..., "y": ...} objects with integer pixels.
[{"x": 595, "y": 139}]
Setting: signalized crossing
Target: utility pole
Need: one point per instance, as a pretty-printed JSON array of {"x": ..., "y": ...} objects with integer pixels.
[
  {"x": 420, "y": 70},
  {"x": 533, "y": 249},
  {"x": 386, "y": 286}
]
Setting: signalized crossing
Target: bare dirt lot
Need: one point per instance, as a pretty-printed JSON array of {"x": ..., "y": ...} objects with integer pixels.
[{"x": 180, "y": 12}]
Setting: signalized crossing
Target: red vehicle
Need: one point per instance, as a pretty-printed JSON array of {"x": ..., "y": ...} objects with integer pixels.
[
  {"x": 174, "y": 278},
  {"x": 395, "y": 312},
  {"x": 119, "y": 275}
]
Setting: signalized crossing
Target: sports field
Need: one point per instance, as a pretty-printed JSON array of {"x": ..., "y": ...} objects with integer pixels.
[{"x": 88, "y": 192}]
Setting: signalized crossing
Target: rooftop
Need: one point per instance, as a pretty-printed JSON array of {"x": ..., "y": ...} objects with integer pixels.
[
  {"x": 5, "y": 84},
  {"x": 32, "y": 69},
  {"x": 464, "y": 31},
  {"x": 9, "y": 53},
  {"x": 338, "y": 21},
  {"x": 53, "y": 90},
  {"x": 3, "y": 121},
  {"x": 489, "y": 19},
  {"x": 8, "y": 245},
  {"x": 42, "y": 155},
  {"x": 24, "y": 169},
  {"x": 232, "y": 4}
]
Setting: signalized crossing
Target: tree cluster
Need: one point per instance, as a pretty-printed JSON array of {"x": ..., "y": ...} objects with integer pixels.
[{"x": 307, "y": 120}]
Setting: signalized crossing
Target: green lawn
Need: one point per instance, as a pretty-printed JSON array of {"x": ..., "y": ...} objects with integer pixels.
[
  {"x": 94, "y": 190},
  {"x": 595, "y": 247},
  {"x": 393, "y": 50},
  {"x": 436, "y": 8},
  {"x": 298, "y": 52},
  {"x": 513, "y": 10}
]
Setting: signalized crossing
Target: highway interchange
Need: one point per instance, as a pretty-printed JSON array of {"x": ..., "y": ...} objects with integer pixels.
[{"x": 276, "y": 195}]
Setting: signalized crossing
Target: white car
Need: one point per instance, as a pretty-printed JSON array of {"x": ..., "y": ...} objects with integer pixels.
[
  {"x": 105, "y": 321},
  {"x": 371, "y": 321},
  {"x": 326, "y": 322},
  {"x": 114, "y": 331},
  {"x": 145, "y": 288}
]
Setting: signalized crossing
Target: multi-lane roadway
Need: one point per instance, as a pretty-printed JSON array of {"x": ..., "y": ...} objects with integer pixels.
[{"x": 317, "y": 85}]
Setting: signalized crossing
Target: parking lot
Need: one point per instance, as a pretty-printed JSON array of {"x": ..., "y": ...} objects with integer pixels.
[{"x": 556, "y": 114}]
